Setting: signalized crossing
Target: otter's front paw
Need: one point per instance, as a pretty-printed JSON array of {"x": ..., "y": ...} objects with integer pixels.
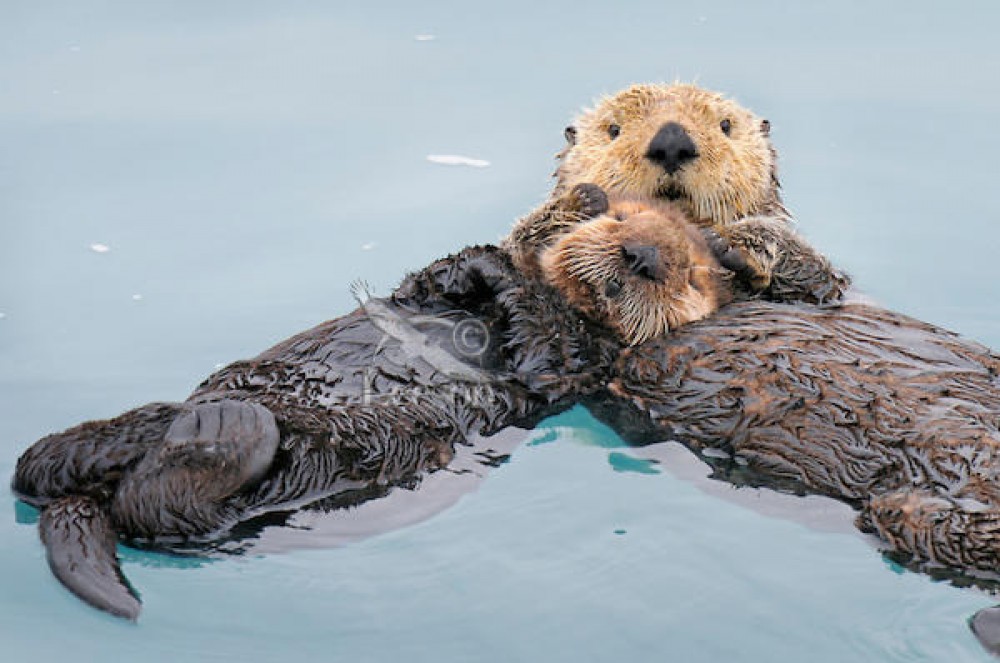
[
  {"x": 588, "y": 200},
  {"x": 729, "y": 257}
]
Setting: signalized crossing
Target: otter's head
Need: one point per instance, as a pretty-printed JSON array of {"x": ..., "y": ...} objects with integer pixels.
[
  {"x": 640, "y": 270},
  {"x": 675, "y": 142}
]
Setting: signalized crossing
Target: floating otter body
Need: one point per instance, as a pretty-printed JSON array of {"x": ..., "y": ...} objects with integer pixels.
[
  {"x": 898, "y": 418},
  {"x": 706, "y": 154},
  {"x": 329, "y": 418}
]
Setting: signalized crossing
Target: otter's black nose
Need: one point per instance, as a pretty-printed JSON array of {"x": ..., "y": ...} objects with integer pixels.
[
  {"x": 671, "y": 147},
  {"x": 642, "y": 260}
]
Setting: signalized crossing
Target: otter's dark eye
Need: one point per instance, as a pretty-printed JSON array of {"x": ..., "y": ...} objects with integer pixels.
[
  {"x": 726, "y": 126},
  {"x": 612, "y": 289},
  {"x": 614, "y": 130}
]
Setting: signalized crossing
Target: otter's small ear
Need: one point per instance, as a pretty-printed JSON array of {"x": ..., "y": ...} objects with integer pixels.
[
  {"x": 765, "y": 127},
  {"x": 570, "y": 133}
]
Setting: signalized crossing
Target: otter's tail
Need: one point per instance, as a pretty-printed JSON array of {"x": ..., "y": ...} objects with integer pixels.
[{"x": 80, "y": 545}]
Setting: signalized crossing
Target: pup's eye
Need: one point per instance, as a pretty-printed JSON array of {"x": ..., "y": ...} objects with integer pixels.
[
  {"x": 726, "y": 126},
  {"x": 614, "y": 130},
  {"x": 612, "y": 288}
]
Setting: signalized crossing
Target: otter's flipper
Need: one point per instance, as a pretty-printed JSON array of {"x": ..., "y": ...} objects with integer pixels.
[
  {"x": 211, "y": 451},
  {"x": 242, "y": 436},
  {"x": 985, "y": 624},
  {"x": 80, "y": 545}
]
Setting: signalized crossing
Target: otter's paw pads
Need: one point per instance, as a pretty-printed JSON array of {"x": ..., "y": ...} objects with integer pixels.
[
  {"x": 589, "y": 200},
  {"x": 731, "y": 258}
]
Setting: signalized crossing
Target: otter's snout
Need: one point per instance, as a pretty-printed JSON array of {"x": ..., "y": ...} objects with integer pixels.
[
  {"x": 642, "y": 260},
  {"x": 671, "y": 147}
]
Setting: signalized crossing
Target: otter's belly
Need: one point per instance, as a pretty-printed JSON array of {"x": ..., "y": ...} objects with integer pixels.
[{"x": 354, "y": 359}]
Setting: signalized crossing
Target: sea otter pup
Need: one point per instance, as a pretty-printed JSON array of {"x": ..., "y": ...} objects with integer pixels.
[
  {"x": 330, "y": 418},
  {"x": 897, "y": 417},
  {"x": 641, "y": 269},
  {"x": 707, "y": 154}
]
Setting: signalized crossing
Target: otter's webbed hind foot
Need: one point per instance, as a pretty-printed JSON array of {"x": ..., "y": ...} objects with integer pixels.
[
  {"x": 210, "y": 452},
  {"x": 242, "y": 436},
  {"x": 985, "y": 625},
  {"x": 80, "y": 546}
]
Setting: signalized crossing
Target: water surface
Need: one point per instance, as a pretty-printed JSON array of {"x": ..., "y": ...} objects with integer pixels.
[{"x": 243, "y": 162}]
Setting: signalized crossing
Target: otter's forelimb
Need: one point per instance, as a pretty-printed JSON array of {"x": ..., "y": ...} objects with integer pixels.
[
  {"x": 780, "y": 265},
  {"x": 562, "y": 212}
]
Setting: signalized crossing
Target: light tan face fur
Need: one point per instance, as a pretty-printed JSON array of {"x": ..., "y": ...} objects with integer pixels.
[
  {"x": 733, "y": 175},
  {"x": 590, "y": 267}
]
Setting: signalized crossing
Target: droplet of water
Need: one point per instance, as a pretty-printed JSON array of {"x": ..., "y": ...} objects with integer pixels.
[
  {"x": 136, "y": 297},
  {"x": 2, "y": 316},
  {"x": 457, "y": 160},
  {"x": 368, "y": 246},
  {"x": 100, "y": 248},
  {"x": 425, "y": 37}
]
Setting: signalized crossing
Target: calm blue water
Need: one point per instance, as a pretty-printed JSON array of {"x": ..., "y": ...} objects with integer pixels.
[{"x": 244, "y": 162}]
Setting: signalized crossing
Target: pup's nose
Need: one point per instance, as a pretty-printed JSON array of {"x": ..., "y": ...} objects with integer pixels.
[
  {"x": 671, "y": 147},
  {"x": 642, "y": 260}
]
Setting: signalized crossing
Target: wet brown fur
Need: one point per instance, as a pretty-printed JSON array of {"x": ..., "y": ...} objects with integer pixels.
[
  {"x": 897, "y": 417},
  {"x": 329, "y": 418}
]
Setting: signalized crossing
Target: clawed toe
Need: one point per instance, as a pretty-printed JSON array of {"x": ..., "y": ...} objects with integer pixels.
[
  {"x": 729, "y": 257},
  {"x": 591, "y": 200}
]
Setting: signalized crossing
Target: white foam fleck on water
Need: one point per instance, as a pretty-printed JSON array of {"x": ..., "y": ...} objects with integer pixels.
[
  {"x": 218, "y": 366},
  {"x": 136, "y": 297},
  {"x": 368, "y": 246},
  {"x": 2, "y": 316},
  {"x": 100, "y": 248},
  {"x": 457, "y": 160},
  {"x": 425, "y": 37}
]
